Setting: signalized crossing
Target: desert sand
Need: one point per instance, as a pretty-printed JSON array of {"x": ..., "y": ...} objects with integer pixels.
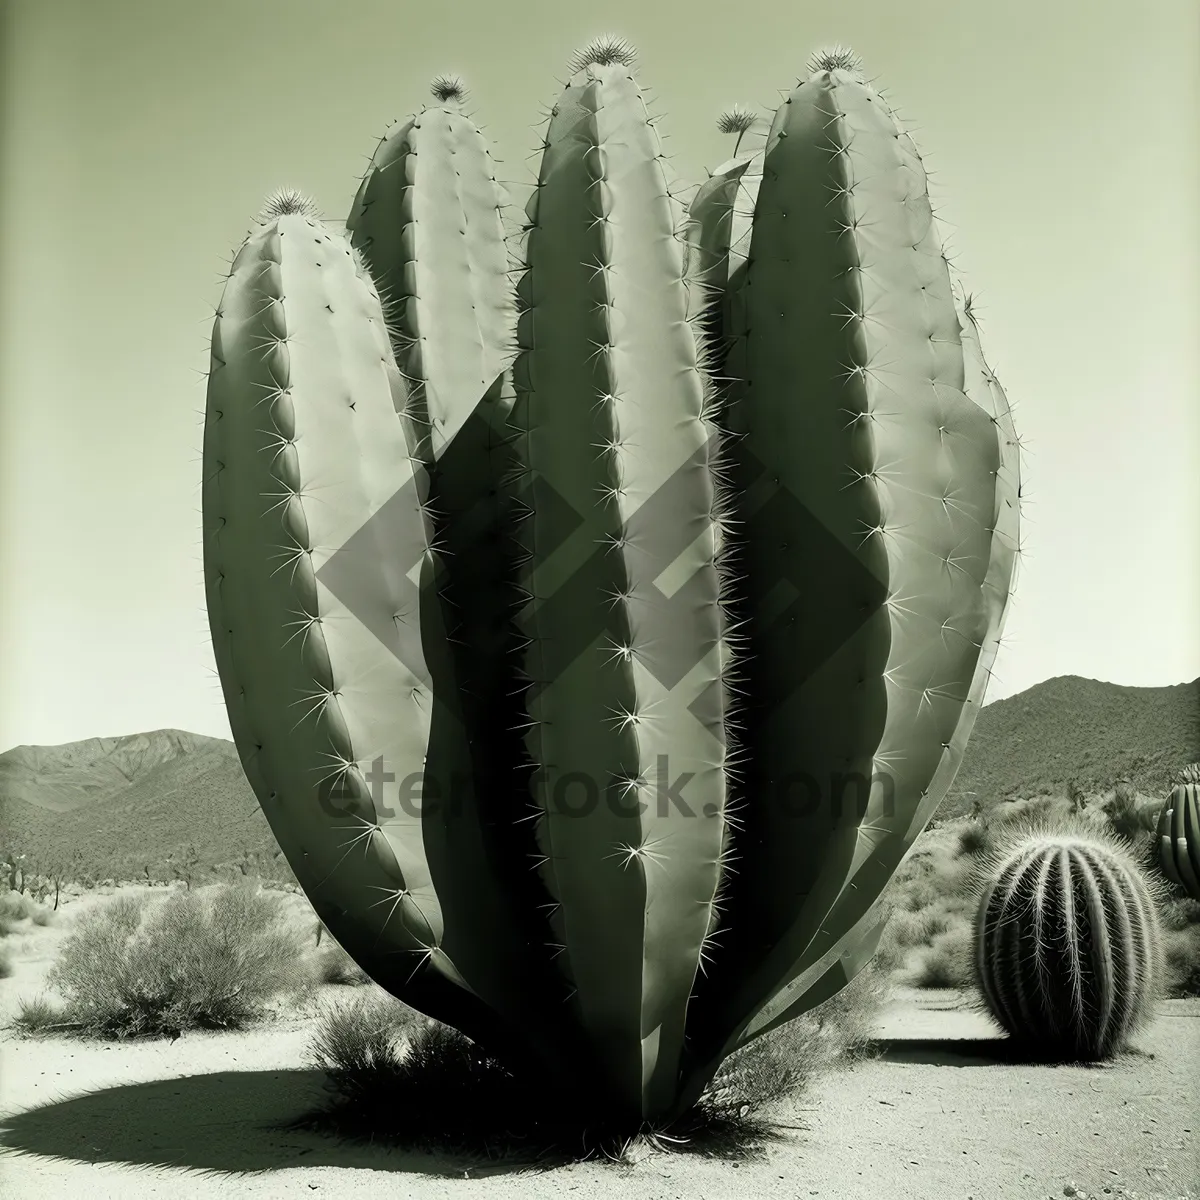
[{"x": 935, "y": 1114}]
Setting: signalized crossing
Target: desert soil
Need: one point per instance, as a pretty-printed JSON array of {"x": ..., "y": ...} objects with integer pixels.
[{"x": 936, "y": 1114}]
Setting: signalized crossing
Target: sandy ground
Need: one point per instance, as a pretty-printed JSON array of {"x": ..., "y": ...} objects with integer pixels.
[{"x": 935, "y": 1115}]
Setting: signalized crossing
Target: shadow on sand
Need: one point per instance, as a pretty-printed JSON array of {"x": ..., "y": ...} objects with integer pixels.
[
  {"x": 946, "y": 1052},
  {"x": 230, "y": 1121},
  {"x": 981, "y": 1052}
]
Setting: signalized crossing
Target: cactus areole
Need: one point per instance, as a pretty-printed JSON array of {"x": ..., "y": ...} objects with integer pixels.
[{"x": 602, "y": 612}]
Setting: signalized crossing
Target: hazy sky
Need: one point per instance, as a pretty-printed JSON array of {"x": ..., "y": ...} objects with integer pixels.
[{"x": 141, "y": 137}]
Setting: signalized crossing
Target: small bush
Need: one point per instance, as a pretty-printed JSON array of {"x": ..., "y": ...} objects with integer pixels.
[
  {"x": 334, "y": 965},
  {"x": 908, "y": 928},
  {"x": 210, "y": 958},
  {"x": 6, "y": 962},
  {"x": 1181, "y": 949},
  {"x": 1180, "y": 916},
  {"x": 946, "y": 962},
  {"x": 360, "y": 1045},
  {"x": 16, "y": 907},
  {"x": 1179, "y": 912}
]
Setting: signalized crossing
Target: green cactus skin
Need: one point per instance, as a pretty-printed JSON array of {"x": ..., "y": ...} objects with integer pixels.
[
  {"x": 1068, "y": 947},
  {"x": 611, "y": 405},
  {"x": 1178, "y": 836},
  {"x": 302, "y": 446},
  {"x": 869, "y": 659}
]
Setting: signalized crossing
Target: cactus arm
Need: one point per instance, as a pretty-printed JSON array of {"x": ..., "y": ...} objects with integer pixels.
[
  {"x": 718, "y": 232},
  {"x": 428, "y": 221},
  {"x": 311, "y": 703},
  {"x": 307, "y": 461},
  {"x": 624, "y": 629},
  {"x": 852, "y": 398}
]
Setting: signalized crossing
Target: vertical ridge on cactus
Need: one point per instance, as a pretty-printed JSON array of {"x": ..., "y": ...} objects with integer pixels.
[
  {"x": 1067, "y": 946},
  {"x": 676, "y": 623}
]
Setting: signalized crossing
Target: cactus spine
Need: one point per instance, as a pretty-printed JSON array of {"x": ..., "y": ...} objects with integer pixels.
[
  {"x": 521, "y": 588},
  {"x": 1067, "y": 946},
  {"x": 1178, "y": 832}
]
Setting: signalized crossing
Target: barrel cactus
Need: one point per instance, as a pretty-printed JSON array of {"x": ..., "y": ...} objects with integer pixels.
[
  {"x": 1068, "y": 953},
  {"x": 597, "y": 647},
  {"x": 1179, "y": 832}
]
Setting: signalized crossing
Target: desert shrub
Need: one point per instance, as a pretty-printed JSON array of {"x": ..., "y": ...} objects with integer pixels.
[
  {"x": 1179, "y": 912},
  {"x": 909, "y": 928},
  {"x": 946, "y": 961},
  {"x": 1181, "y": 948},
  {"x": 1180, "y": 917},
  {"x": 6, "y": 962},
  {"x": 16, "y": 907},
  {"x": 211, "y": 958},
  {"x": 919, "y": 895},
  {"x": 360, "y": 1046},
  {"x": 334, "y": 965}
]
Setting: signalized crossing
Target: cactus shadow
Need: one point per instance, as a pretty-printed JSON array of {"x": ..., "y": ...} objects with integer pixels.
[
  {"x": 227, "y": 1121},
  {"x": 982, "y": 1052},
  {"x": 948, "y": 1052}
]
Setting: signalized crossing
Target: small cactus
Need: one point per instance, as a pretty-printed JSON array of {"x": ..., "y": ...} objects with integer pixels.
[
  {"x": 1179, "y": 832},
  {"x": 1067, "y": 945}
]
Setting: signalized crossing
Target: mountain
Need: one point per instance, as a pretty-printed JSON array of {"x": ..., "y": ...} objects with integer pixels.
[
  {"x": 121, "y": 805},
  {"x": 62, "y": 778},
  {"x": 1070, "y": 729}
]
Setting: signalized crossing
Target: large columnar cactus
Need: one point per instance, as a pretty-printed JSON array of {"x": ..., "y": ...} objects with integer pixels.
[
  {"x": 598, "y": 648},
  {"x": 1068, "y": 950},
  {"x": 1179, "y": 832}
]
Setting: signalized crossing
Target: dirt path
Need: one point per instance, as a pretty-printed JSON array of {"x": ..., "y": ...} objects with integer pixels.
[{"x": 937, "y": 1115}]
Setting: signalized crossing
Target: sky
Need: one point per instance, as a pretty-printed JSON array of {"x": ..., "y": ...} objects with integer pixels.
[{"x": 140, "y": 137}]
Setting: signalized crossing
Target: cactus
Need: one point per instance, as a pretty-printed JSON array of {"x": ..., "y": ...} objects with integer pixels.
[
  {"x": 1178, "y": 832},
  {"x": 601, "y": 567},
  {"x": 1068, "y": 951}
]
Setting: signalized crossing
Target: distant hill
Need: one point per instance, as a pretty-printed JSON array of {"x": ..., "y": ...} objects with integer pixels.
[
  {"x": 1074, "y": 729},
  {"x": 123, "y": 804}
]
